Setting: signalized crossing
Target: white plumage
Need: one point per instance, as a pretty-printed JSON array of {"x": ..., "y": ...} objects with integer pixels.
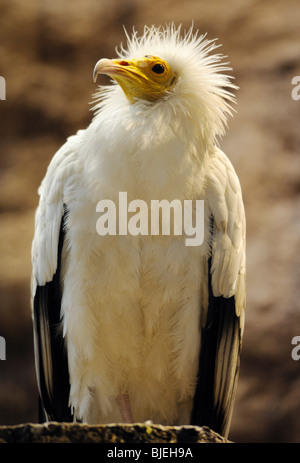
[{"x": 135, "y": 313}]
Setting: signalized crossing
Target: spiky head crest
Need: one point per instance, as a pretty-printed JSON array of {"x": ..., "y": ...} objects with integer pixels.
[{"x": 203, "y": 91}]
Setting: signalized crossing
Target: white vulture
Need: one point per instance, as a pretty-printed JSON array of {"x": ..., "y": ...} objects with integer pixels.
[{"x": 130, "y": 327}]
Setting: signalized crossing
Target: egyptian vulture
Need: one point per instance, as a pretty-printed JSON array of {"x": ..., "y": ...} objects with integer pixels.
[{"x": 130, "y": 327}]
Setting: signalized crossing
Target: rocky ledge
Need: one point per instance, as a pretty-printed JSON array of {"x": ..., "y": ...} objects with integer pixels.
[{"x": 54, "y": 432}]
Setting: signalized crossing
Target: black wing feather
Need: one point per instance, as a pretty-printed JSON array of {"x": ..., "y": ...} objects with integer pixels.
[
  {"x": 50, "y": 352},
  {"x": 219, "y": 363}
]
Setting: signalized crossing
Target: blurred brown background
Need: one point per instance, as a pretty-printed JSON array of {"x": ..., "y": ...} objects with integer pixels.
[{"x": 48, "y": 49}]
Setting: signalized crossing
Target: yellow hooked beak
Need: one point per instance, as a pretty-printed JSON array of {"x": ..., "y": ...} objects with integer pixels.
[{"x": 148, "y": 78}]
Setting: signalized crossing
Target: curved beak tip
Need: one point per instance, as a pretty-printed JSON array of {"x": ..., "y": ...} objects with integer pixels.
[
  {"x": 101, "y": 67},
  {"x": 95, "y": 72},
  {"x": 95, "y": 75}
]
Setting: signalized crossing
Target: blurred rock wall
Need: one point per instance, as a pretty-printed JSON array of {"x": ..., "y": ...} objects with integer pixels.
[{"x": 47, "y": 53}]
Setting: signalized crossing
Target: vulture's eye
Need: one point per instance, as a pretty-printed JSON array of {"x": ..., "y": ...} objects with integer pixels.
[{"x": 158, "y": 69}]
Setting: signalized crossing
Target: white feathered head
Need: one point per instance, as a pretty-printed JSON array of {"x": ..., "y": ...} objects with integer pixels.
[{"x": 172, "y": 73}]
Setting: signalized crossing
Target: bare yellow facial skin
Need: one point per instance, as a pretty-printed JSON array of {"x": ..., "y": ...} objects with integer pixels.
[{"x": 148, "y": 78}]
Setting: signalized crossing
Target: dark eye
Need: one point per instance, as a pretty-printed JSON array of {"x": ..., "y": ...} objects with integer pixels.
[{"x": 158, "y": 68}]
